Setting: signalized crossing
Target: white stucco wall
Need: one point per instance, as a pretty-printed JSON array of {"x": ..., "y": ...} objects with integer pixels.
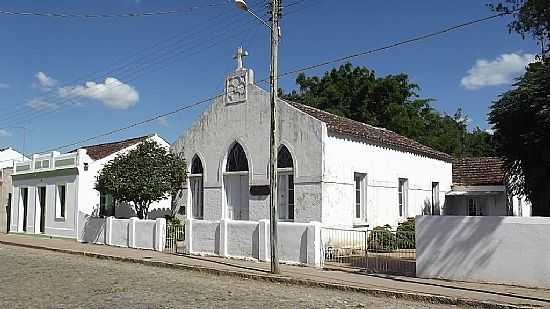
[
  {"x": 248, "y": 123},
  {"x": 243, "y": 239},
  {"x": 297, "y": 242},
  {"x": 132, "y": 233},
  {"x": 383, "y": 167},
  {"x": 503, "y": 250},
  {"x": 5, "y": 190}
]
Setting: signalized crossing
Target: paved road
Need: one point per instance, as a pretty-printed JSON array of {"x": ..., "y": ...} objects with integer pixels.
[{"x": 32, "y": 278}]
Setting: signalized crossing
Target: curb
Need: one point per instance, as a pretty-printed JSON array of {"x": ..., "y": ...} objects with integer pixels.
[{"x": 419, "y": 297}]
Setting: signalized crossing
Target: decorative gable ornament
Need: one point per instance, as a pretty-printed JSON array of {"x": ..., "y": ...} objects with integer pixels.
[
  {"x": 236, "y": 84},
  {"x": 236, "y": 88}
]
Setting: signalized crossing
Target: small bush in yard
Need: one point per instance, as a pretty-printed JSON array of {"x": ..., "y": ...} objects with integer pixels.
[
  {"x": 382, "y": 239},
  {"x": 406, "y": 234}
]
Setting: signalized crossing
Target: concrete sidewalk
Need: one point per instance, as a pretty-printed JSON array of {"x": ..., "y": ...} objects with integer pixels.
[{"x": 437, "y": 291}]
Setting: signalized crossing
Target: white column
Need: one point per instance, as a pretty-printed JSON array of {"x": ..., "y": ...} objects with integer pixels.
[
  {"x": 223, "y": 237},
  {"x": 109, "y": 231},
  {"x": 160, "y": 233},
  {"x": 188, "y": 243},
  {"x": 132, "y": 232},
  {"x": 314, "y": 244},
  {"x": 263, "y": 241}
]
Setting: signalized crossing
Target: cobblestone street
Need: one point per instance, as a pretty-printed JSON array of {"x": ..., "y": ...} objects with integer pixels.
[{"x": 42, "y": 279}]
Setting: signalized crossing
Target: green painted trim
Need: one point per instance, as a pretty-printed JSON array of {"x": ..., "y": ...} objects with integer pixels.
[{"x": 52, "y": 173}]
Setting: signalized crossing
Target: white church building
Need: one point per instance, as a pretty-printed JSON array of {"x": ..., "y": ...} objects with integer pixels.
[{"x": 332, "y": 170}]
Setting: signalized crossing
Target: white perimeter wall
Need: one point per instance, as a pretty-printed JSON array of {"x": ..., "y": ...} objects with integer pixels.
[
  {"x": 503, "y": 250},
  {"x": 298, "y": 242},
  {"x": 383, "y": 167},
  {"x": 131, "y": 233}
]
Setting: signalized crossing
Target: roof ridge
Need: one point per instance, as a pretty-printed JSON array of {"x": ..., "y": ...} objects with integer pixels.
[
  {"x": 424, "y": 149},
  {"x": 117, "y": 142}
]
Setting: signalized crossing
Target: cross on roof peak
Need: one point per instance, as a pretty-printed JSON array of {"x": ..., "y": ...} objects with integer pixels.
[{"x": 241, "y": 53}]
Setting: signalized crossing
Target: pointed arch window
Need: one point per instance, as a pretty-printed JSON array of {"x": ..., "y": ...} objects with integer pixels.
[
  {"x": 236, "y": 161},
  {"x": 284, "y": 158},
  {"x": 196, "y": 181},
  {"x": 285, "y": 171},
  {"x": 236, "y": 184}
]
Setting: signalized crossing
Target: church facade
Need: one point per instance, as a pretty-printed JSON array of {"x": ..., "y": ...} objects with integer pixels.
[{"x": 331, "y": 169}]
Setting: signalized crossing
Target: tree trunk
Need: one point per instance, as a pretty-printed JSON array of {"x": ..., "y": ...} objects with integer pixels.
[{"x": 139, "y": 211}]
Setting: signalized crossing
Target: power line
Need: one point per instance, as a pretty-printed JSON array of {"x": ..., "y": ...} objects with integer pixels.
[
  {"x": 393, "y": 45},
  {"x": 142, "y": 66},
  {"x": 124, "y": 15},
  {"x": 173, "y": 42},
  {"x": 396, "y": 44}
]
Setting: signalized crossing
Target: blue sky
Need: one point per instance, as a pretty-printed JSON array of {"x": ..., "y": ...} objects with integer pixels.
[{"x": 53, "y": 71}]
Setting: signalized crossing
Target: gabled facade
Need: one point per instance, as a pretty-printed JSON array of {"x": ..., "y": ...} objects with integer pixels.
[
  {"x": 479, "y": 190},
  {"x": 332, "y": 169},
  {"x": 54, "y": 193}
]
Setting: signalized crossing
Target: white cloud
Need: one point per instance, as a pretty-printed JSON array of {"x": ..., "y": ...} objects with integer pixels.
[
  {"x": 112, "y": 92},
  {"x": 163, "y": 121},
  {"x": 45, "y": 81},
  {"x": 38, "y": 103},
  {"x": 500, "y": 71},
  {"x": 4, "y": 133},
  {"x": 4, "y": 86}
]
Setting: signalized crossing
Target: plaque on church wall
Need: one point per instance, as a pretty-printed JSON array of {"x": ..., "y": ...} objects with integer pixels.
[
  {"x": 259, "y": 190},
  {"x": 235, "y": 89}
]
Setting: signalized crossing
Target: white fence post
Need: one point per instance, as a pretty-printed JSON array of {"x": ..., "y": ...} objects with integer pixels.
[
  {"x": 160, "y": 234},
  {"x": 263, "y": 243},
  {"x": 314, "y": 244},
  {"x": 188, "y": 243},
  {"x": 132, "y": 232},
  {"x": 223, "y": 237},
  {"x": 109, "y": 231}
]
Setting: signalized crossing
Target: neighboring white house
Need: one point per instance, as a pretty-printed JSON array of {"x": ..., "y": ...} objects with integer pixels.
[
  {"x": 8, "y": 157},
  {"x": 54, "y": 193},
  {"x": 332, "y": 169},
  {"x": 479, "y": 190}
]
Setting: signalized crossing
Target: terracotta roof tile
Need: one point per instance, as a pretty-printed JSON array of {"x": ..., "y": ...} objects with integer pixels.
[
  {"x": 482, "y": 171},
  {"x": 371, "y": 134},
  {"x": 101, "y": 151}
]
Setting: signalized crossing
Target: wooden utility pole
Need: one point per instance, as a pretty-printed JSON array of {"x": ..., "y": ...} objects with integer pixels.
[{"x": 274, "y": 136}]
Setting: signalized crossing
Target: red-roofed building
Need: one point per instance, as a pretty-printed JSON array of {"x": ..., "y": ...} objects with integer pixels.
[{"x": 479, "y": 190}]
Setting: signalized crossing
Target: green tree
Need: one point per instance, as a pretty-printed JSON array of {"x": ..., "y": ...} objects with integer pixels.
[
  {"x": 521, "y": 120},
  {"x": 146, "y": 174},
  {"x": 531, "y": 17},
  {"x": 391, "y": 102}
]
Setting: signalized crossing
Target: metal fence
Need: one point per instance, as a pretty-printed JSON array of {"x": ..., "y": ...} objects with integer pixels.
[
  {"x": 381, "y": 250},
  {"x": 175, "y": 236}
]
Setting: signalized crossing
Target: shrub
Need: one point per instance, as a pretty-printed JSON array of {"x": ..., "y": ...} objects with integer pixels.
[
  {"x": 406, "y": 234},
  {"x": 382, "y": 239}
]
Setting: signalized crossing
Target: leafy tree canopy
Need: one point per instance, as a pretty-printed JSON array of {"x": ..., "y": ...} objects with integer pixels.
[
  {"x": 391, "y": 102},
  {"x": 146, "y": 174},
  {"x": 521, "y": 119},
  {"x": 531, "y": 17}
]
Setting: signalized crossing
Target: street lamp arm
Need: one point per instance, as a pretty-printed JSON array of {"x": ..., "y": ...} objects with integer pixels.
[{"x": 260, "y": 19}]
